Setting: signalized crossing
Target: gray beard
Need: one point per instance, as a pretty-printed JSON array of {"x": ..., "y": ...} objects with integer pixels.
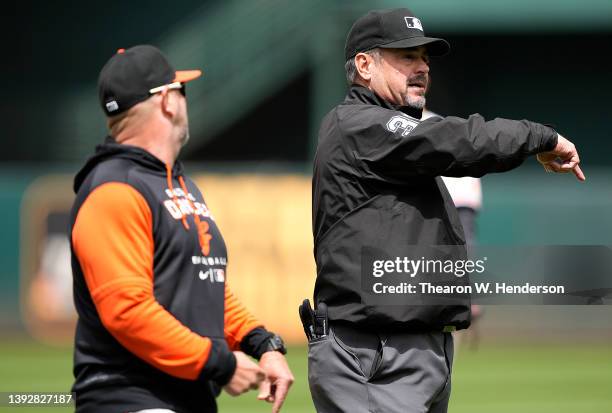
[{"x": 416, "y": 103}]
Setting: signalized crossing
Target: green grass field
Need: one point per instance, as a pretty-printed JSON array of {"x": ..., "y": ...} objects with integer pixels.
[{"x": 495, "y": 378}]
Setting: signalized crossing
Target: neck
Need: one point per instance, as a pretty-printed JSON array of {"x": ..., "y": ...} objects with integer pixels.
[{"x": 154, "y": 137}]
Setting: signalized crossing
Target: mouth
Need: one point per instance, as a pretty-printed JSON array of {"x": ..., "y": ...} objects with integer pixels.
[
  {"x": 418, "y": 84},
  {"x": 417, "y": 87}
]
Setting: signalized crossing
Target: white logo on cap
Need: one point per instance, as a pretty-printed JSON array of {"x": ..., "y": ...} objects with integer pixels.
[
  {"x": 112, "y": 106},
  {"x": 413, "y": 23}
]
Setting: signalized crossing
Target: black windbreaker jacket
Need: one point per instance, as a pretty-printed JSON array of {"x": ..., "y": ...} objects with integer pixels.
[{"x": 377, "y": 193}]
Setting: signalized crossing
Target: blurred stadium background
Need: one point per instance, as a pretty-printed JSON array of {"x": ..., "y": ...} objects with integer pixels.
[{"x": 272, "y": 69}]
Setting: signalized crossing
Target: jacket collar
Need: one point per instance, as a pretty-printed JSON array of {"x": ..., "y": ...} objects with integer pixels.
[{"x": 358, "y": 94}]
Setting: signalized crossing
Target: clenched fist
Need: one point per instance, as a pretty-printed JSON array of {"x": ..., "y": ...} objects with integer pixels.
[{"x": 247, "y": 376}]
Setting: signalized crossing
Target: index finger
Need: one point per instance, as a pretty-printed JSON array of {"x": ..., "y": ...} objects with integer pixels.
[
  {"x": 579, "y": 174},
  {"x": 282, "y": 388}
]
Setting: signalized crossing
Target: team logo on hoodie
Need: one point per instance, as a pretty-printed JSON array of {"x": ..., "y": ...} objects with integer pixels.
[
  {"x": 180, "y": 208},
  {"x": 204, "y": 236},
  {"x": 181, "y": 204}
]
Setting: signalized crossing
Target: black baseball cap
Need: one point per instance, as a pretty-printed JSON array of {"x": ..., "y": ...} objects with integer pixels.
[
  {"x": 391, "y": 29},
  {"x": 128, "y": 77}
]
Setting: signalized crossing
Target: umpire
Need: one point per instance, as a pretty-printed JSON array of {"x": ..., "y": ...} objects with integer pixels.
[{"x": 377, "y": 185}]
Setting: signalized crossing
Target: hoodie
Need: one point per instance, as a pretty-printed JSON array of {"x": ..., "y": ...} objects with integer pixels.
[{"x": 155, "y": 316}]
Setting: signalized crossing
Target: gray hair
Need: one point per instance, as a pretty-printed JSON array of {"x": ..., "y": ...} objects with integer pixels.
[{"x": 351, "y": 69}]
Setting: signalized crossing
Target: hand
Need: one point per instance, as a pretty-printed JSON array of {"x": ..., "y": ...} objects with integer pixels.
[
  {"x": 247, "y": 376},
  {"x": 563, "y": 159},
  {"x": 275, "y": 387}
]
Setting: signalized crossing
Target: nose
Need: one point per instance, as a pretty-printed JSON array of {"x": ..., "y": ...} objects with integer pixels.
[{"x": 422, "y": 66}]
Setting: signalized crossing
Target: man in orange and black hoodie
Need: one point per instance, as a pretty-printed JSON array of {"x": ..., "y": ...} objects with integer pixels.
[{"x": 158, "y": 327}]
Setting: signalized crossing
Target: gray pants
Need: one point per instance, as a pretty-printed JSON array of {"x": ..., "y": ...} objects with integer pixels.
[{"x": 355, "y": 371}]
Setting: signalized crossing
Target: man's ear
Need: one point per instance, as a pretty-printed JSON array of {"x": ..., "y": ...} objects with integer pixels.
[
  {"x": 363, "y": 64},
  {"x": 168, "y": 103}
]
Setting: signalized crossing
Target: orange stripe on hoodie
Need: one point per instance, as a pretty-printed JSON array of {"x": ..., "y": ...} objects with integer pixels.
[
  {"x": 238, "y": 321},
  {"x": 112, "y": 239}
]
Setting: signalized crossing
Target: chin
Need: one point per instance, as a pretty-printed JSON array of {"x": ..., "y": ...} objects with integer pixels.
[{"x": 417, "y": 102}]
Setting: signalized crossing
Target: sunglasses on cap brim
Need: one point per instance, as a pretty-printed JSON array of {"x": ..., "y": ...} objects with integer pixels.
[{"x": 176, "y": 85}]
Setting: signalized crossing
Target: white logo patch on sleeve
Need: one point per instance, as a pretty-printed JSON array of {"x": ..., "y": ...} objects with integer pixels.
[
  {"x": 403, "y": 124},
  {"x": 413, "y": 23}
]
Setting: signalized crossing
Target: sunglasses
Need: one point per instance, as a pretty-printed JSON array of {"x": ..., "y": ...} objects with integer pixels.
[{"x": 176, "y": 85}]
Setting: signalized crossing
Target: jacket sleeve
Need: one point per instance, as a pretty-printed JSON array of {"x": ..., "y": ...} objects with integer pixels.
[
  {"x": 113, "y": 240},
  {"x": 239, "y": 322},
  {"x": 392, "y": 146}
]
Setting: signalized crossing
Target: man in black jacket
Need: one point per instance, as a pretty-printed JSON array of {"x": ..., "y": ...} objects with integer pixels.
[{"x": 379, "y": 204}]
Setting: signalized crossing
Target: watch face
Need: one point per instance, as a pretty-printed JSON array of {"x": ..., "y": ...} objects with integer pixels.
[{"x": 276, "y": 343}]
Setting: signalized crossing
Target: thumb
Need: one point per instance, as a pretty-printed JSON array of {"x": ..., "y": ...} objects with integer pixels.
[{"x": 264, "y": 389}]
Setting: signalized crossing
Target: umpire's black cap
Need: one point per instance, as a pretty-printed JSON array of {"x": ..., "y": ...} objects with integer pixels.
[
  {"x": 391, "y": 29},
  {"x": 133, "y": 75}
]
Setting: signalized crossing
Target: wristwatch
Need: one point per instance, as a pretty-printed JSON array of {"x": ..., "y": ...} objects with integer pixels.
[{"x": 275, "y": 343}]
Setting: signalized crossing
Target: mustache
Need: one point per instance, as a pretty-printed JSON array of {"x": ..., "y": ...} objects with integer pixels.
[{"x": 419, "y": 79}]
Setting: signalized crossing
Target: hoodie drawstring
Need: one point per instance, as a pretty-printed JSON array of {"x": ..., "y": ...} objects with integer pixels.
[
  {"x": 201, "y": 227},
  {"x": 174, "y": 198}
]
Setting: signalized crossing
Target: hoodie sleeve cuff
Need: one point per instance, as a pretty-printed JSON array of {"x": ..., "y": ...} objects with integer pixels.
[
  {"x": 220, "y": 365},
  {"x": 255, "y": 342}
]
